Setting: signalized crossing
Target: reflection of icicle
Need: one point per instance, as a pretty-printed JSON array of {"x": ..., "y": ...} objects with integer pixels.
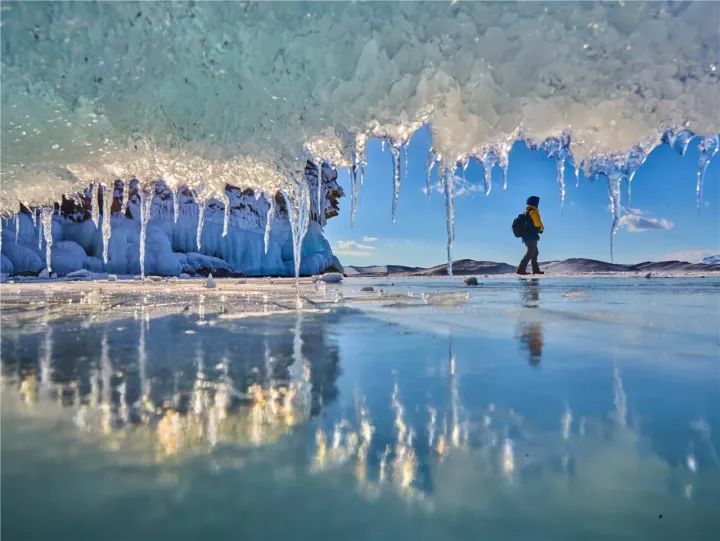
[
  {"x": 404, "y": 461},
  {"x": 454, "y": 401},
  {"x": 46, "y": 217},
  {"x": 614, "y": 194},
  {"x": 46, "y": 361},
  {"x": 708, "y": 147},
  {"x": 200, "y": 224},
  {"x": 142, "y": 369},
  {"x": 95, "y": 204},
  {"x": 145, "y": 206},
  {"x": 508, "y": 457},
  {"x": 448, "y": 182},
  {"x": 619, "y": 398},
  {"x": 298, "y": 205},
  {"x": 566, "y": 422},
  {"x": 226, "y": 213},
  {"x": 395, "y": 152},
  {"x": 105, "y": 375},
  {"x": 431, "y": 428},
  {"x": 107, "y": 211},
  {"x": 125, "y": 196},
  {"x": 269, "y": 217}
]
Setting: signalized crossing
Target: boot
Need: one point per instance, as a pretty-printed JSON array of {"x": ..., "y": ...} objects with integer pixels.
[
  {"x": 538, "y": 272},
  {"x": 520, "y": 271}
]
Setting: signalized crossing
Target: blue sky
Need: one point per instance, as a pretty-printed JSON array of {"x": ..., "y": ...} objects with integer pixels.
[{"x": 663, "y": 190}]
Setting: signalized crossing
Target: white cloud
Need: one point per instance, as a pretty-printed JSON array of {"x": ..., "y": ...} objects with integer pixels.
[
  {"x": 637, "y": 221},
  {"x": 369, "y": 239},
  {"x": 353, "y": 248}
]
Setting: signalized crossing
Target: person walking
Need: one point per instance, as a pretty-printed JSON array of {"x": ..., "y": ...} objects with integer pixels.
[{"x": 531, "y": 236}]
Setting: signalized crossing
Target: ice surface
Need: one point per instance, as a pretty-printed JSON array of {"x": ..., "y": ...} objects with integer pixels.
[{"x": 253, "y": 89}]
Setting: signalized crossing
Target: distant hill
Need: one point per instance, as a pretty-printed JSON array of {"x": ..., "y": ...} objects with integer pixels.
[
  {"x": 463, "y": 267},
  {"x": 711, "y": 260}
]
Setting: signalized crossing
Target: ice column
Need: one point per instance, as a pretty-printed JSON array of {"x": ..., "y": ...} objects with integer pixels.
[
  {"x": 37, "y": 223},
  {"x": 226, "y": 213},
  {"x": 107, "y": 211},
  {"x": 298, "y": 209},
  {"x": 201, "y": 222},
  {"x": 708, "y": 147},
  {"x": 46, "y": 217},
  {"x": 17, "y": 227},
  {"x": 448, "y": 182},
  {"x": 320, "y": 209},
  {"x": 95, "y": 204},
  {"x": 145, "y": 206},
  {"x": 269, "y": 217}
]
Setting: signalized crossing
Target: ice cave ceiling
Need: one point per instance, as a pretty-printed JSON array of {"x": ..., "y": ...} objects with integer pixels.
[{"x": 208, "y": 93}]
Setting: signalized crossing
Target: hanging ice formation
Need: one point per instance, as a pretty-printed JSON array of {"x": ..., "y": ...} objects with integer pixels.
[
  {"x": 320, "y": 209},
  {"x": 395, "y": 152},
  {"x": 269, "y": 217},
  {"x": 226, "y": 213},
  {"x": 95, "y": 204},
  {"x": 106, "y": 227},
  {"x": 176, "y": 203},
  {"x": 125, "y": 196},
  {"x": 559, "y": 148},
  {"x": 46, "y": 217},
  {"x": 145, "y": 207},
  {"x": 298, "y": 210},
  {"x": 489, "y": 159},
  {"x": 200, "y": 222},
  {"x": 17, "y": 226},
  {"x": 708, "y": 147},
  {"x": 355, "y": 191},
  {"x": 431, "y": 159},
  {"x": 38, "y": 224},
  {"x": 448, "y": 182}
]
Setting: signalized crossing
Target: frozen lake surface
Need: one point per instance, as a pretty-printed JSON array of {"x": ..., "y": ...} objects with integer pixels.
[{"x": 561, "y": 408}]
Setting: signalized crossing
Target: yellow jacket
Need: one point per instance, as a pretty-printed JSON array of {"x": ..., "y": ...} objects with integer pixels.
[{"x": 534, "y": 214}]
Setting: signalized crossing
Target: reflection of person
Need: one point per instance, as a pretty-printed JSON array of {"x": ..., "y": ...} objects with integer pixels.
[
  {"x": 533, "y": 228},
  {"x": 531, "y": 334}
]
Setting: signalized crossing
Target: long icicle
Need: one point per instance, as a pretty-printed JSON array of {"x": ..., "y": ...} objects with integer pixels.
[
  {"x": 354, "y": 179},
  {"x": 708, "y": 147},
  {"x": 145, "y": 206},
  {"x": 560, "y": 163},
  {"x": 95, "y": 204},
  {"x": 38, "y": 224},
  {"x": 614, "y": 193},
  {"x": 125, "y": 197},
  {"x": 269, "y": 217},
  {"x": 429, "y": 167},
  {"x": 17, "y": 226},
  {"x": 176, "y": 203},
  {"x": 395, "y": 152},
  {"x": 226, "y": 213},
  {"x": 298, "y": 209},
  {"x": 107, "y": 212},
  {"x": 200, "y": 224},
  {"x": 320, "y": 208},
  {"x": 448, "y": 175},
  {"x": 46, "y": 217}
]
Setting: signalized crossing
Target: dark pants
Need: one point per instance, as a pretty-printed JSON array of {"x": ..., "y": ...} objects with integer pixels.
[{"x": 530, "y": 255}]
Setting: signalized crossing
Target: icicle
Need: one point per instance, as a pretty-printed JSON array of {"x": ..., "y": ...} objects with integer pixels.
[
  {"x": 614, "y": 180},
  {"x": 678, "y": 140},
  {"x": 382, "y": 145},
  {"x": 429, "y": 166},
  {"x": 38, "y": 224},
  {"x": 320, "y": 207},
  {"x": 298, "y": 209},
  {"x": 17, "y": 226},
  {"x": 448, "y": 182},
  {"x": 200, "y": 224},
  {"x": 406, "y": 150},
  {"x": 487, "y": 175},
  {"x": 125, "y": 196},
  {"x": 708, "y": 147},
  {"x": 176, "y": 203},
  {"x": 33, "y": 216},
  {"x": 46, "y": 217},
  {"x": 354, "y": 178},
  {"x": 145, "y": 206},
  {"x": 95, "y": 204},
  {"x": 226, "y": 213},
  {"x": 270, "y": 216},
  {"x": 577, "y": 174},
  {"x": 395, "y": 152},
  {"x": 560, "y": 163},
  {"x": 107, "y": 211}
]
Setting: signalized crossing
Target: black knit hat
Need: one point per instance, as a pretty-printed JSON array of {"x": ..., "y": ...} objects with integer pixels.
[{"x": 533, "y": 200}]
